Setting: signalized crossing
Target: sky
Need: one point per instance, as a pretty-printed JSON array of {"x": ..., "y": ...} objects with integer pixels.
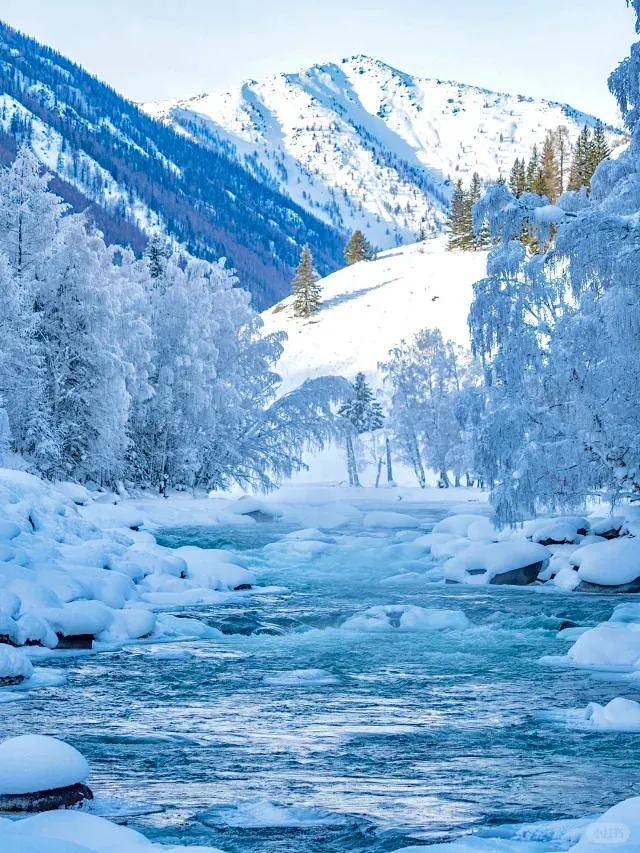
[{"x": 157, "y": 49}]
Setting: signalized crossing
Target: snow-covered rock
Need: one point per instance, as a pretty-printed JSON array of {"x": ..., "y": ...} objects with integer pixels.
[
  {"x": 389, "y": 520},
  {"x": 459, "y": 525},
  {"x": 39, "y": 773},
  {"x": 15, "y": 666},
  {"x": 514, "y": 562},
  {"x": 614, "y": 563},
  {"x": 562, "y": 530}
]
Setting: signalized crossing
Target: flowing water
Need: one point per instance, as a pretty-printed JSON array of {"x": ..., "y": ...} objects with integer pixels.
[{"x": 420, "y": 736}]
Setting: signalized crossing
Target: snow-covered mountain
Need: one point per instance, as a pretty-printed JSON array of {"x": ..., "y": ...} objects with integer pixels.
[
  {"x": 369, "y": 307},
  {"x": 361, "y": 144},
  {"x": 136, "y": 176}
]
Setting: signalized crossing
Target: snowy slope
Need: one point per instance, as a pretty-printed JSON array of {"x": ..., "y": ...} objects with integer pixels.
[
  {"x": 370, "y": 307},
  {"x": 362, "y": 144}
]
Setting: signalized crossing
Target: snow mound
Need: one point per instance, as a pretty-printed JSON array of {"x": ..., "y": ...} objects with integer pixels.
[
  {"x": 406, "y": 617},
  {"x": 389, "y": 520},
  {"x": 482, "y": 564},
  {"x": 77, "y": 832},
  {"x": 31, "y": 763},
  {"x": 458, "y": 525}
]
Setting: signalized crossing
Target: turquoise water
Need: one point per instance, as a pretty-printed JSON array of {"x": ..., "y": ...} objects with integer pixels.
[{"x": 424, "y": 736}]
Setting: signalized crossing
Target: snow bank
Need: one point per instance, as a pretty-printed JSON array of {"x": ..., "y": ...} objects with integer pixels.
[
  {"x": 31, "y": 763},
  {"x": 66, "y": 581},
  {"x": 405, "y": 617},
  {"x": 516, "y": 561}
]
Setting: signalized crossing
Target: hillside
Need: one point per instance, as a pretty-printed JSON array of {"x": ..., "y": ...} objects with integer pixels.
[
  {"x": 361, "y": 144},
  {"x": 369, "y": 307},
  {"x": 136, "y": 175}
]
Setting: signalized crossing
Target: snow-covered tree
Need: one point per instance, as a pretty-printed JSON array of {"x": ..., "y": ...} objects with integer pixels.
[
  {"x": 559, "y": 335},
  {"x": 305, "y": 287},
  {"x": 362, "y": 413}
]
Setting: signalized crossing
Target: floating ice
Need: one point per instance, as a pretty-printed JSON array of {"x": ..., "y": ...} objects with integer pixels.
[{"x": 406, "y": 617}]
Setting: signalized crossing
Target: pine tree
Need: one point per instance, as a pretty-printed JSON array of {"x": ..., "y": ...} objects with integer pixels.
[
  {"x": 533, "y": 169},
  {"x": 362, "y": 411},
  {"x": 597, "y": 151},
  {"x": 518, "y": 178},
  {"x": 456, "y": 215},
  {"x": 579, "y": 176},
  {"x": 563, "y": 152},
  {"x": 358, "y": 248},
  {"x": 156, "y": 255},
  {"x": 550, "y": 171},
  {"x": 305, "y": 287}
]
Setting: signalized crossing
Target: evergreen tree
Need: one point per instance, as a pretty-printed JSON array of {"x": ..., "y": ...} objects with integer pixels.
[
  {"x": 362, "y": 411},
  {"x": 579, "y": 176},
  {"x": 551, "y": 183},
  {"x": 533, "y": 166},
  {"x": 563, "y": 153},
  {"x": 358, "y": 248},
  {"x": 456, "y": 215},
  {"x": 518, "y": 178},
  {"x": 156, "y": 255},
  {"x": 598, "y": 150},
  {"x": 305, "y": 287}
]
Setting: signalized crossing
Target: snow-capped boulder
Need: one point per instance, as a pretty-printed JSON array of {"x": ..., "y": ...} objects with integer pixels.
[
  {"x": 515, "y": 562},
  {"x": 38, "y": 773},
  {"x": 15, "y": 666},
  {"x": 78, "y": 623},
  {"x": 613, "y": 565},
  {"x": 253, "y": 508},
  {"x": 213, "y": 569},
  {"x": 563, "y": 530},
  {"x": 609, "y": 527}
]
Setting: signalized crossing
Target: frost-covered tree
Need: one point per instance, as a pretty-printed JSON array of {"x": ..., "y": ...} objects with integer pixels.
[
  {"x": 559, "y": 336},
  {"x": 305, "y": 287},
  {"x": 362, "y": 413},
  {"x": 426, "y": 377},
  {"x": 358, "y": 248}
]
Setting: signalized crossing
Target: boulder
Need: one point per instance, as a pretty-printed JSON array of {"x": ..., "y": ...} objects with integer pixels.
[{"x": 516, "y": 563}]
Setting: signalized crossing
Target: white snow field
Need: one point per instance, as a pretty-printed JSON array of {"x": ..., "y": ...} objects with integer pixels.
[
  {"x": 369, "y": 307},
  {"x": 361, "y": 144}
]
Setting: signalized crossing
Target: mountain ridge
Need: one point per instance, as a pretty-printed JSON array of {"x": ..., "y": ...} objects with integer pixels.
[{"x": 365, "y": 145}]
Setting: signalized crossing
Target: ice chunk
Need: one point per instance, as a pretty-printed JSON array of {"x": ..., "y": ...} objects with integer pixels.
[
  {"x": 405, "y": 617},
  {"x": 609, "y": 645},
  {"x": 15, "y": 666},
  {"x": 620, "y": 715}
]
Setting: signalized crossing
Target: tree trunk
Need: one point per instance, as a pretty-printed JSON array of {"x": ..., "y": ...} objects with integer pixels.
[
  {"x": 379, "y": 472},
  {"x": 389, "y": 468},
  {"x": 444, "y": 479}
]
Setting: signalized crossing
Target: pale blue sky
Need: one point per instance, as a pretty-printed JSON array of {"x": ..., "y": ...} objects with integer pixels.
[{"x": 153, "y": 49}]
